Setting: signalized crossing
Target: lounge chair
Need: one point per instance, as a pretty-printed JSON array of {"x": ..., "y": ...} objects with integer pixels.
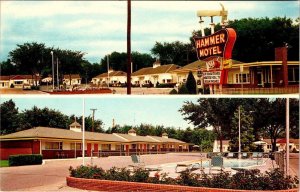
[
  {"x": 245, "y": 155},
  {"x": 137, "y": 163},
  {"x": 257, "y": 155},
  {"x": 216, "y": 163},
  {"x": 230, "y": 155}
]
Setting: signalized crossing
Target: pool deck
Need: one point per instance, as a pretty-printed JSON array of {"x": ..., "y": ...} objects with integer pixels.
[{"x": 51, "y": 176}]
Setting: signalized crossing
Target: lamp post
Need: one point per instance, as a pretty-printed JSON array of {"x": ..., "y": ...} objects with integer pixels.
[
  {"x": 52, "y": 71},
  {"x": 239, "y": 154},
  {"x": 83, "y": 132},
  {"x": 287, "y": 131},
  {"x": 57, "y": 73},
  {"x": 108, "y": 70}
]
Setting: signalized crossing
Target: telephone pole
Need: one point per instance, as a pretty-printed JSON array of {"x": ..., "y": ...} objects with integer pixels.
[{"x": 93, "y": 114}]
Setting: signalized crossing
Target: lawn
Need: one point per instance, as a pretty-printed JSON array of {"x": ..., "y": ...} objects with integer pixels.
[{"x": 3, "y": 163}]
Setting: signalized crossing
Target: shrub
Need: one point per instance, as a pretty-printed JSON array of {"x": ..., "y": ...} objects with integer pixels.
[
  {"x": 16, "y": 160},
  {"x": 12, "y": 86},
  {"x": 118, "y": 174},
  {"x": 183, "y": 90},
  {"x": 247, "y": 179},
  {"x": 173, "y": 92},
  {"x": 191, "y": 84},
  {"x": 88, "y": 172},
  {"x": 140, "y": 175}
]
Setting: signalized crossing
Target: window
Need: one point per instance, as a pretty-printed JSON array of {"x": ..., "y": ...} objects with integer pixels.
[
  {"x": 242, "y": 78},
  {"x": 18, "y": 82},
  {"x": 78, "y": 146},
  {"x": 168, "y": 80},
  {"x": 269, "y": 146},
  {"x": 106, "y": 147},
  {"x": 118, "y": 147},
  {"x": 53, "y": 145},
  {"x": 293, "y": 74}
]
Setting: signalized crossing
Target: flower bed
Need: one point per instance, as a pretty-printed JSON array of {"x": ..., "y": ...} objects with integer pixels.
[
  {"x": 115, "y": 179},
  {"x": 95, "y": 91}
]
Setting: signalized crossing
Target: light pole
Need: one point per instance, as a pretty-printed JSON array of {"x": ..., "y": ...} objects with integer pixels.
[
  {"x": 52, "y": 71},
  {"x": 57, "y": 72},
  {"x": 287, "y": 131},
  {"x": 108, "y": 70},
  {"x": 83, "y": 132},
  {"x": 239, "y": 154}
]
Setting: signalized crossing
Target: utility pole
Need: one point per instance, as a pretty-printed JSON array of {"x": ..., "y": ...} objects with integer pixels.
[
  {"x": 128, "y": 47},
  {"x": 93, "y": 114}
]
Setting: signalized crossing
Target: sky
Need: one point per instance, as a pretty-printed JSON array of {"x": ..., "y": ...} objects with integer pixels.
[
  {"x": 98, "y": 28},
  {"x": 125, "y": 110}
]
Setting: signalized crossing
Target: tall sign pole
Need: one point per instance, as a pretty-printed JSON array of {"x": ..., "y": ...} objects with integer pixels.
[
  {"x": 83, "y": 132},
  {"x": 287, "y": 126},
  {"x": 128, "y": 47}
]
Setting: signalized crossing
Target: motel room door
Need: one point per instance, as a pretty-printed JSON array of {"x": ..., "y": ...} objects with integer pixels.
[{"x": 89, "y": 149}]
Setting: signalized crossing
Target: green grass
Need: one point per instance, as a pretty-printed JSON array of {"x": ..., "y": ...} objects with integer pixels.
[{"x": 3, "y": 163}]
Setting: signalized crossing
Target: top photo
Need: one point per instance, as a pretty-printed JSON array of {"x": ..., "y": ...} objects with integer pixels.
[{"x": 149, "y": 47}]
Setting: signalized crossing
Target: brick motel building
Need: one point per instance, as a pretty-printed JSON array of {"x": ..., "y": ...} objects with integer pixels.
[{"x": 62, "y": 143}]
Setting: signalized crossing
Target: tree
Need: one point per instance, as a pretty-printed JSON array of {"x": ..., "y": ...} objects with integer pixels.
[
  {"x": 173, "y": 53},
  {"x": 247, "y": 134},
  {"x": 9, "y": 117},
  {"x": 213, "y": 112},
  {"x": 7, "y": 68},
  {"x": 98, "y": 124},
  {"x": 31, "y": 58},
  {"x": 272, "y": 117},
  {"x": 183, "y": 90},
  {"x": 258, "y": 37},
  {"x": 204, "y": 138},
  {"x": 45, "y": 117},
  {"x": 191, "y": 84}
]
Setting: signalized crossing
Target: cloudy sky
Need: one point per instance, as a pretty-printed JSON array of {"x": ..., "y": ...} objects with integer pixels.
[{"x": 99, "y": 27}]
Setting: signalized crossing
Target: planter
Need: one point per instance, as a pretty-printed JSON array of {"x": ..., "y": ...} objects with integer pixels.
[{"x": 108, "y": 185}]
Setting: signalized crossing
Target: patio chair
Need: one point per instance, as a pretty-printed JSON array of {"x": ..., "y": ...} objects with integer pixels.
[
  {"x": 257, "y": 155},
  {"x": 137, "y": 163},
  {"x": 216, "y": 163},
  {"x": 230, "y": 155},
  {"x": 245, "y": 155}
]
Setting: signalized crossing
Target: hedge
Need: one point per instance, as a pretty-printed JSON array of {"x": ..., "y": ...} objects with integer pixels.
[{"x": 16, "y": 160}]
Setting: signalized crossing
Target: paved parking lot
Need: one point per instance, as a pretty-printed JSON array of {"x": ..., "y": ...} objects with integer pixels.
[{"x": 51, "y": 176}]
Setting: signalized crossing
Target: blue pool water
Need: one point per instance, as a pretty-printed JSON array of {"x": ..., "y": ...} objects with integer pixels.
[{"x": 228, "y": 163}]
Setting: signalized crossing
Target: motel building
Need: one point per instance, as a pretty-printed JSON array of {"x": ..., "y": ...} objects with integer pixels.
[
  {"x": 152, "y": 75},
  {"x": 115, "y": 78},
  {"x": 263, "y": 74},
  {"x": 72, "y": 79},
  {"x": 67, "y": 143},
  {"x": 18, "y": 81}
]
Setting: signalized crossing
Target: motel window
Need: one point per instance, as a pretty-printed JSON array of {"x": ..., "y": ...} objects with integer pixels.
[
  {"x": 168, "y": 80},
  {"x": 106, "y": 147},
  {"x": 78, "y": 146},
  {"x": 119, "y": 147},
  {"x": 242, "y": 78},
  {"x": 18, "y": 82},
  {"x": 53, "y": 145},
  {"x": 269, "y": 146},
  {"x": 293, "y": 74}
]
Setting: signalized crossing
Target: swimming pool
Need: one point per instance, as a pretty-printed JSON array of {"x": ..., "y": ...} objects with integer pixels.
[{"x": 228, "y": 163}]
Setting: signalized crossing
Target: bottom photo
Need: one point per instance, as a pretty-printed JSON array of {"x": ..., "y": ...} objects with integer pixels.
[{"x": 149, "y": 144}]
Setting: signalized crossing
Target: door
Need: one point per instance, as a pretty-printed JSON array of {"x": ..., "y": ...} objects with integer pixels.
[
  {"x": 89, "y": 149},
  {"x": 96, "y": 149}
]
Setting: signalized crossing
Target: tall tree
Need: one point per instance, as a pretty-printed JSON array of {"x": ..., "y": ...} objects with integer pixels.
[
  {"x": 173, "y": 53},
  {"x": 213, "y": 112},
  {"x": 247, "y": 133},
  {"x": 9, "y": 117}
]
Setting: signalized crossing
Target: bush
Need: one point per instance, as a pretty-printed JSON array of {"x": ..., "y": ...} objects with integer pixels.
[
  {"x": 12, "y": 86},
  {"x": 140, "y": 175},
  {"x": 173, "y": 92},
  {"x": 246, "y": 180},
  {"x": 191, "y": 84},
  {"x": 33, "y": 87},
  {"x": 183, "y": 90},
  {"x": 166, "y": 85},
  {"x": 16, "y": 160}
]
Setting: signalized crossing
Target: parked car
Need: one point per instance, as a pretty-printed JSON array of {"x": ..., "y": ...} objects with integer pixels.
[{"x": 26, "y": 87}]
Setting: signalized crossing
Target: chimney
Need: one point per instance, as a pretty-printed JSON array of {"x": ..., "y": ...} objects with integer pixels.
[
  {"x": 132, "y": 132},
  {"x": 281, "y": 55},
  {"x": 165, "y": 135},
  {"x": 75, "y": 126}
]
